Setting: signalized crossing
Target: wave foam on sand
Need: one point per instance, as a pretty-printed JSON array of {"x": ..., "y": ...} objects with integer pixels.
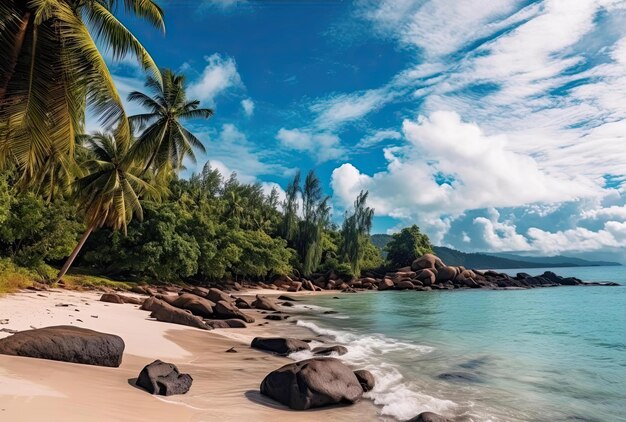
[{"x": 396, "y": 396}]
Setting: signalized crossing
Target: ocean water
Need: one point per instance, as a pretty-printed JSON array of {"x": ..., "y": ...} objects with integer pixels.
[{"x": 547, "y": 354}]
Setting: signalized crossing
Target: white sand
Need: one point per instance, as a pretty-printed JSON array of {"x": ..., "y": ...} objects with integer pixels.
[{"x": 225, "y": 385}]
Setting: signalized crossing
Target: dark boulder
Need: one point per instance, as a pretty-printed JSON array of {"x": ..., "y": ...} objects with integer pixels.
[
  {"x": 167, "y": 298},
  {"x": 228, "y": 310},
  {"x": 327, "y": 351},
  {"x": 385, "y": 284},
  {"x": 426, "y": 276},
  {"x": 429, "y": 417},
  {"x": 366, "y": 379},
  {"x": 163, "y": 379},
  {"x": 66, "y": 343},
  {"x": 312, "y": 383},
  {"x": 195, "y": 304},
  {"x": 165, "y": 312},
  {"x": 279, "y": 345},
  {"x": 142, "y": 290},
  {"x": 446, "y": 274},
  {"x": 243, "y": 303},
  {"x": 405, "y": 285}
]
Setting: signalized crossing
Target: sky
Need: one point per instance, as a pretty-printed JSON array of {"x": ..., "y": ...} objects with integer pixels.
[{"x": 495, "y": 125}]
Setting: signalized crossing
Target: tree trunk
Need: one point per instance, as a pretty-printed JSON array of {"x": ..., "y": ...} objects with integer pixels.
[
  {"x": 12, "y": 59},
  {"x": 75, "y": 252}
]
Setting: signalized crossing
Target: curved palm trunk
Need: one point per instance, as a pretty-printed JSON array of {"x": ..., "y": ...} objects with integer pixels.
[
  {"x": 75, "y": 252},
  {"x": 19, "y": 41}
]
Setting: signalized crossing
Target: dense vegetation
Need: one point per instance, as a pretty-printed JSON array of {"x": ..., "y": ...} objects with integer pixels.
[{"x": 113, "y": 201}]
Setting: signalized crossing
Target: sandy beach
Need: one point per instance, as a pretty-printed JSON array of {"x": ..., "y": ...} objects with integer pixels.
[{"x": 225, "y": 387}]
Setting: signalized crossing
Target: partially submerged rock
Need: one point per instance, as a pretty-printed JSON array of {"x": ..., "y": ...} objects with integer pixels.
[
  {"x": 163, "y": 379},
  {"x": 313, "y": 383},
  {"x": 279, "y": 345},
  {"x": 66, "y": 343},
  {"x": 327, "y": 351},
  {"x": 366, "y": 379},
  {"x": 429, "y": 417}
]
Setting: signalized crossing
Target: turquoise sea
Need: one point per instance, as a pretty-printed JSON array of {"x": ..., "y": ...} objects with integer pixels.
[{"x": 547, "y": 354}]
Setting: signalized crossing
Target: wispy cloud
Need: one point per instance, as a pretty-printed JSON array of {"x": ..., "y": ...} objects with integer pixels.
[{"x": 218, "y": 76}]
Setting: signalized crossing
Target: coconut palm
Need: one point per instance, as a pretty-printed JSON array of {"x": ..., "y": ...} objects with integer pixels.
[
  {"x": 51, "y": 70},
  {"x": 164, "y": 140},
  {"x": 109, "y": 193}
]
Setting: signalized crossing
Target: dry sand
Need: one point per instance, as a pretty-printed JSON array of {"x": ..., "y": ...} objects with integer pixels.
[{"x": 225, "y": 387}]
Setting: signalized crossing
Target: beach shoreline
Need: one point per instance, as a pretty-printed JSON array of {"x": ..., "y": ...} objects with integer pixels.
[{"x": 226, "y": 385}]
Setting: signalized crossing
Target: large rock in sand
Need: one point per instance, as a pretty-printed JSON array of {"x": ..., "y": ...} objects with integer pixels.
[
  {"x": 264, "y": 302},
  {"x": 216, "y": 295},
  {"x": 66, "y": 343},
  {"x": 313, "y": 383},
  {"x": 195, "y": 304},
  {"x": 163, "y": 379},
  {"x": 279, "y": 345},
  {"x": 118, "y": 298},
  {"x": 228, "y": 310},
  {"x": 165, "y": 312}
]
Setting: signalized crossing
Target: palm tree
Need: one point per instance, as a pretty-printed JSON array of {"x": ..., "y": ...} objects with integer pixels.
[
  {"x": 51, "y": 70},
  {"x": 164, "y": 140},
  {"x": 109, "y": 194}
]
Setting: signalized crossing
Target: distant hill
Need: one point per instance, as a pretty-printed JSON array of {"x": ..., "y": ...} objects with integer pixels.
[{"x": 498, "y": 260}]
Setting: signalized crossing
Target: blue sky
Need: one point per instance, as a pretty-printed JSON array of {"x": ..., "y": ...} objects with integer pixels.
[{"x": 494, "y": 125}]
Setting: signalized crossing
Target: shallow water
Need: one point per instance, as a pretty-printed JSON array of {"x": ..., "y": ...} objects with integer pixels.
[{"x": 548, "y": 354}]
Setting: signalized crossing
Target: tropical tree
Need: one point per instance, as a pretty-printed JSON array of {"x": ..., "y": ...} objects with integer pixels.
[
  {"x": 52, "y": 70},
  {"x": 164, "y": 140},
  {"x": 355, "y": 233},
  {"x": 109, "y": 194},
  {"x": 407, "y": 245},
  {"x": 289, "y": 226}
]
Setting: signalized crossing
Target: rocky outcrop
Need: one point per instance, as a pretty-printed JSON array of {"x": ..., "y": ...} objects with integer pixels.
[
  {"x": 66, "y": 343},
  {"x": 163, "y": 379},
  {"x": 165, "y": 312},
  {"x": 366, "y": 379},
  {"x": 313, "y": 383},
  {"x": 228, "y": 310},
  {"x": 279, "y": 345},
  {"x": 195, "y": 304}
]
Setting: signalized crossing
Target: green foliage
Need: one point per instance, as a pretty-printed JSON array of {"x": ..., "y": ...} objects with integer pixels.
[
  {"x": 33, "y": 231},
  {"x": 355, "y": 233},
  {"x": 407, "y": 245}
]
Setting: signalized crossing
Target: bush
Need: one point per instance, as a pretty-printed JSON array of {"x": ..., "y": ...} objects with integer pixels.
[{"x": 406, "y": 246}]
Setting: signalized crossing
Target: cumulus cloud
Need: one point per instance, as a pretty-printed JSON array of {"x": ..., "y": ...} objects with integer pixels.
[
  {"x": 323, "y": 146},
  {"x": 219, "y": 75},
  {"x": 248, "y": 106}
]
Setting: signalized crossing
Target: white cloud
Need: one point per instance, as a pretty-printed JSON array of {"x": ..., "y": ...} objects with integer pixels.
[
  {"x": 230, "y": 150},
  {"x": 501, "y": 235},
  {"x": 343, "y": 108},
  {"x": 219, "y": 75},
  {"x": 322, "y": 146},
  {"x": 377, "y": 137},
  {"x": 248, "y": 106}
]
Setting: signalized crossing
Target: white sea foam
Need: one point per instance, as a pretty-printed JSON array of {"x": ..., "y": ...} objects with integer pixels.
[{"x": 397, "y": 397}]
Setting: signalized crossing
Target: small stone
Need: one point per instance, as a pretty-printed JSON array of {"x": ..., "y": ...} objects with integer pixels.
[{"x": 232, "y": 350}]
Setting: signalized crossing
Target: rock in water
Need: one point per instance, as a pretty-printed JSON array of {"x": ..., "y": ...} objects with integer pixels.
[
  {"x": 313, "y": 383},
  {"x": 165, "y": 312},
  {"x": 279, "y": 345},
  {"x": 366, "y": 379},
  {"x": 164, "y": 379},
  {"x": 327, "y": 351},
  {"x": 429, "y": 417},
  {"x": 66, "y": 343}
]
